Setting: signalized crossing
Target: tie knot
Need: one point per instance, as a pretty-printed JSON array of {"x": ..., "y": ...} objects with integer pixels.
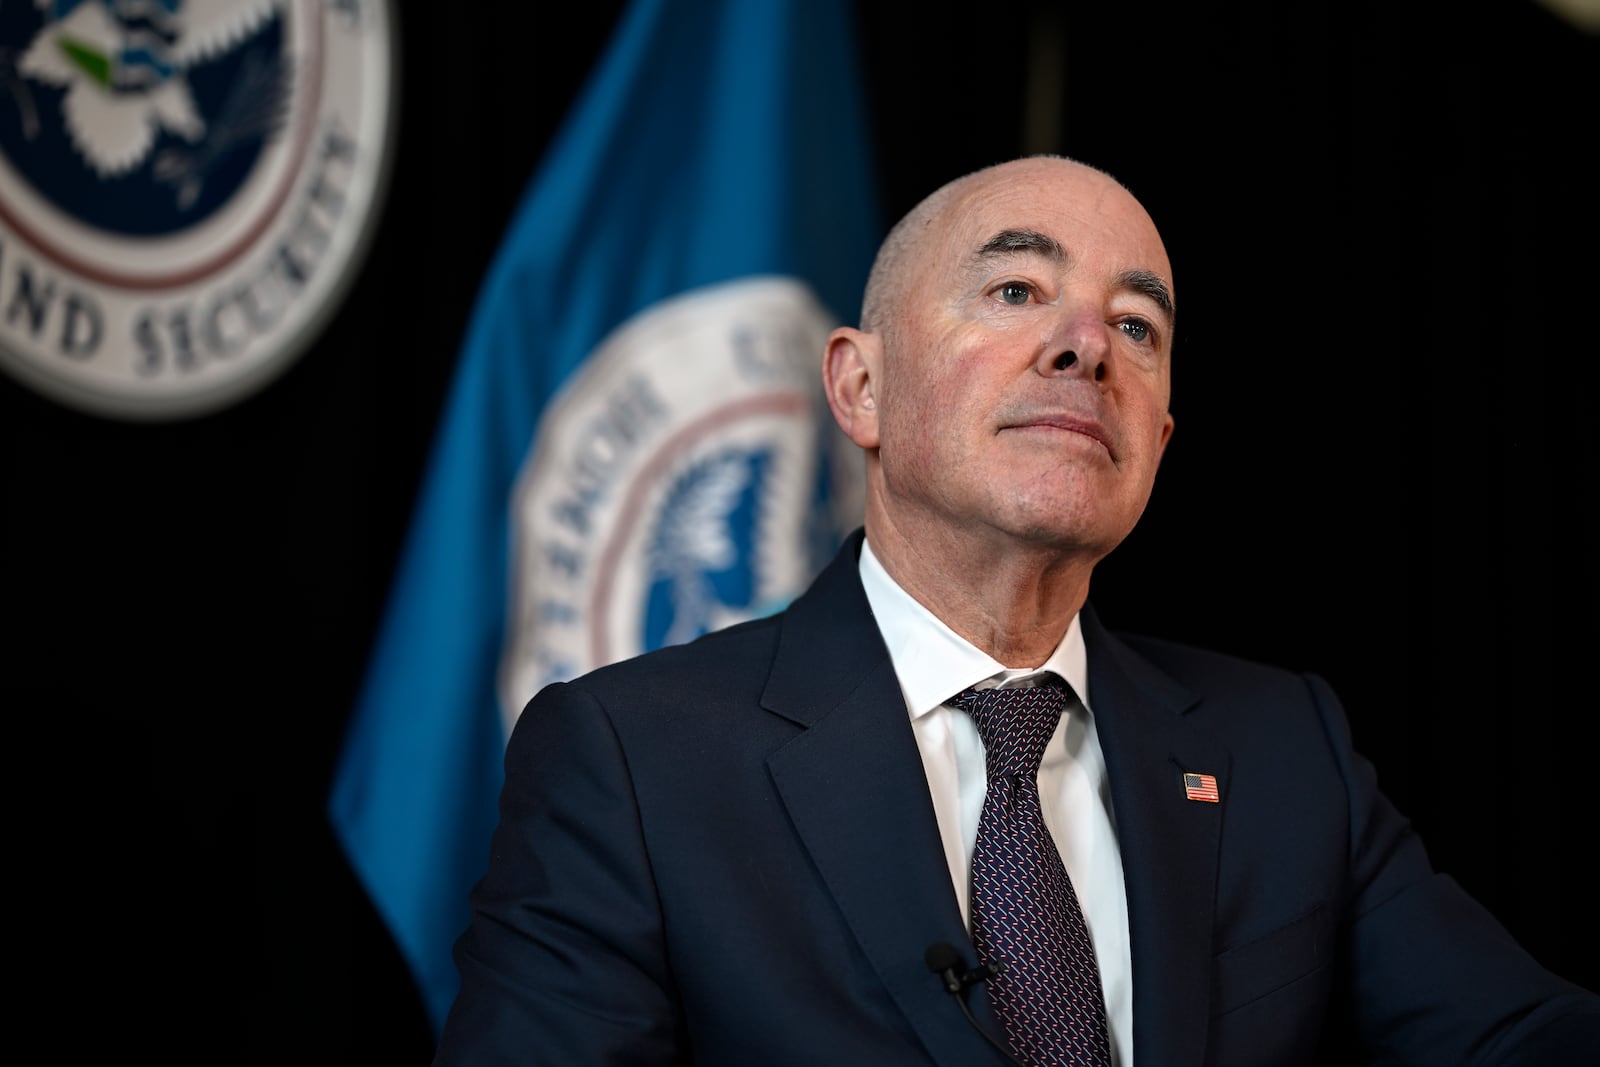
[{"x": 1015, "y": 724}]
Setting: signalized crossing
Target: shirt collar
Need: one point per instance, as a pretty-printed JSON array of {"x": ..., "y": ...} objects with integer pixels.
[{"x": 934, "y": 663}]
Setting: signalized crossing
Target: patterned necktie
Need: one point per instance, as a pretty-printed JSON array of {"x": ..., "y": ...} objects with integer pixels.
[{"x": 1025, "y": 914}]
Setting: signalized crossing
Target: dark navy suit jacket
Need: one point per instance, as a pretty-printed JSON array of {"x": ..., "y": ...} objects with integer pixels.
[{"x": 725, "y": 853}]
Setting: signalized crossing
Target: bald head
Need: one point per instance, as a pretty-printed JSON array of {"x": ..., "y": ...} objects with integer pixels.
[
  {"x": 1010, "y": 378},
  {"x": 905, "y": 245}
]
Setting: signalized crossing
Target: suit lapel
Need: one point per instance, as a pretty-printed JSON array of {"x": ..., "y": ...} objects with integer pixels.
[
  {"x": 1169, "y": 843},
  {"x": 854, "y": 787}
]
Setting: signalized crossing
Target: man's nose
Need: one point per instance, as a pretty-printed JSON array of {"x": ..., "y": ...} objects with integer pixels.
[{"x": 1080, "y": 347}]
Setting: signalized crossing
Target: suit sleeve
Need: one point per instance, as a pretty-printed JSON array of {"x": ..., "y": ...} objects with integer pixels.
[
  {"x": 1433, "y": 977},
  {"x": 563, "y": 962}
]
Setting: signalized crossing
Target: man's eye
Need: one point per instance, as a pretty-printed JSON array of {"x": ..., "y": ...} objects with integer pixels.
[
  {"x": 1139, "y": 331},
  {"x": 1015, "y": 293}
]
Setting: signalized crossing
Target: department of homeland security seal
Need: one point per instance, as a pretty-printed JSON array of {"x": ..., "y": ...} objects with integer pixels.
[
  {"x": 689, "y": 476},
  {"x": 186, "y": 190}
]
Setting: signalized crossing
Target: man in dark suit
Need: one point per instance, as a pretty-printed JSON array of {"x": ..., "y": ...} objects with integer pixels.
[{"x": 741, "y": 851}]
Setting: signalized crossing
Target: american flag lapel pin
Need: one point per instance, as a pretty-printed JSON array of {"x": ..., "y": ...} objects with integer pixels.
[{"x": 1200, "y": 787}]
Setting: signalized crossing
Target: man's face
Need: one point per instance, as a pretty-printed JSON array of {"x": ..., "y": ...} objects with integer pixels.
[{"x": 1024, "y": 386}]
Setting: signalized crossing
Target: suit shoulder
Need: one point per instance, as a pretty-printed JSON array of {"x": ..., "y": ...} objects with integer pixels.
[
  {"x": 738, "y": 650},
  {"x": 1208, "y": 669}
]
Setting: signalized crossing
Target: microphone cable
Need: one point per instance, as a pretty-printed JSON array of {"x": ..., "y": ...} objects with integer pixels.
[{"x": 943, "y": 960}]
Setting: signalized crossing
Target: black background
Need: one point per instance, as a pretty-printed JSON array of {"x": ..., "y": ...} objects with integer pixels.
[{"x": 1379, "y": 217}]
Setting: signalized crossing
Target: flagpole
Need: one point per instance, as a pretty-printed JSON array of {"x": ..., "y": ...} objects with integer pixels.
[{"x": 1044, "y": 120}]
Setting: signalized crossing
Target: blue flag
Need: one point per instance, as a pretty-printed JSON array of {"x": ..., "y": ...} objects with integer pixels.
[{"x": 635, "y": 449}]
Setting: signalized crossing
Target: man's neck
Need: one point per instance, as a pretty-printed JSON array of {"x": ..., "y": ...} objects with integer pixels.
[{"x": 1013, "y": 602}]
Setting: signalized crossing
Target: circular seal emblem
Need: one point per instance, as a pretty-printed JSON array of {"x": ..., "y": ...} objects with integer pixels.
[
  {"x": 689, "y": 476},
  {"x": 186, "y": 190}
]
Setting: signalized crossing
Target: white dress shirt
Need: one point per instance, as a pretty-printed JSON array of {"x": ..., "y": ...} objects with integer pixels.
[{"x": 933, "y": 664}]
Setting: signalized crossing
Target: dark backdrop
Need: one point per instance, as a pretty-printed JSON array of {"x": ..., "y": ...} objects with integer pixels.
[{"x": 1383, "y": 471}]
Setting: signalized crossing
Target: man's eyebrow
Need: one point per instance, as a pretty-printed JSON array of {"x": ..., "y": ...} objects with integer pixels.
[
  {"x": 1012, "y": 242},
  {"x": 1149, "y": 284},
  {"x": 1032, "y": 242}
]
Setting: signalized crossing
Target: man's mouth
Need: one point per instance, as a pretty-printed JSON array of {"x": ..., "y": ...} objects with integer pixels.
[{"x": 1063, "y": 422}]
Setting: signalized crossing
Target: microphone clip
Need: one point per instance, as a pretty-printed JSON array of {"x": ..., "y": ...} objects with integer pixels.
[
  {"x": 981, "y": 973},
  {"x": 944, "y": 961}
]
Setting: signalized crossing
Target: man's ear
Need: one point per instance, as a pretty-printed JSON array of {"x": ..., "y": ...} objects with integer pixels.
[
  {"x": 850, "y": 365},
  {"x": 1166, "y": 435}
]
